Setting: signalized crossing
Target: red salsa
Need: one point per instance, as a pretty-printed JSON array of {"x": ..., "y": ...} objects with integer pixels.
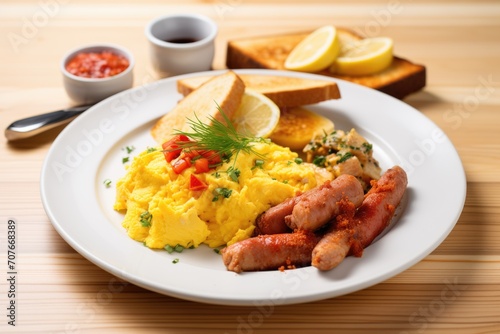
[{"x": 97, "y": 64}]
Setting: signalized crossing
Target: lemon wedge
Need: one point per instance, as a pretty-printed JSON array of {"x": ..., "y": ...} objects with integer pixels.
[
  {"x": 364, "y": 57},
  {"x": 257, "y": 115},
  {"x": 315, "y": 52}
]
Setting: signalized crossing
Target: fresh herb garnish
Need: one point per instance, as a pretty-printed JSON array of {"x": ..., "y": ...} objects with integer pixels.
[
  {"x": 233, "y": 173},
  {"x": 319, "y": 160},
  {"x": 218, "y": 136},
  {"x": 178, "y": 249},
  {"x": 174, "y": 261},
  {"x": 344, "y": 157},
  {"x": 146, "y": 218},
  {"x": 259, "y": 163},
  {"x": 129, "y": 149},
  {"x": 226, "y": 193},
  {"x": 107, "y": 183},
  {"x": 367, "y": 147}
]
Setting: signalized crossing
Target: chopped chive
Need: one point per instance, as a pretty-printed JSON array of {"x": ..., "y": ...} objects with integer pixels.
[
  {"x": 221, "y": 192},
  {"x": 233, "y": 173},
  {"x": 258, "y": 164},
  {"x": 129, "y": 149},
  {"x": 345, "y": 156},
  {"x": 107, "y": 183},
  {"x": 367, "y": 147},
  {"x": 178, "y": 248},
  {"x": 319, "y": 160},
  {"x": 146, "y": 218}
]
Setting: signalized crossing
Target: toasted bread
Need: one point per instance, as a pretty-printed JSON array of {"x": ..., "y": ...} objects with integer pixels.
[
  {"x": 284, "y": 91},
  {"x": 224, "y": 91},
  {"x": 399, "y": 80},
  {"x": 297, "y": 126}
]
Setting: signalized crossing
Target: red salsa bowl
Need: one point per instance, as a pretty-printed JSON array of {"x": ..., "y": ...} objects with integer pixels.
[{"x": 93, "y": 73}]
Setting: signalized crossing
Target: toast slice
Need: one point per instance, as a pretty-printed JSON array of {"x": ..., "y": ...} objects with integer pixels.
[
  {"x": 297, "y": 126},
  {"x": 285, "y": 91},
  {"x": 399, "y": 80},
  {"x": 224, "y": 90}
]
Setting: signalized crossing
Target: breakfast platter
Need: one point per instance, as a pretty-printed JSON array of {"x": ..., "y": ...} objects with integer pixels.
[{"x": 91, "y": 152}]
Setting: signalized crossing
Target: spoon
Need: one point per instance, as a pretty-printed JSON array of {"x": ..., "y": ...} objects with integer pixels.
[{"x": 28, "y": 127}]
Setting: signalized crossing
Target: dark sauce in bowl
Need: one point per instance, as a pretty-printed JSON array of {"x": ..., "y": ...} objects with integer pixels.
[{"x": 182, "y": 40}]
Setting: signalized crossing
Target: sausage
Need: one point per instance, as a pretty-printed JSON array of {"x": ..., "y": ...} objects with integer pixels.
[
  {"x": 267, "y": 252},
  {"x": 272, "y": 221},
  {"x": 370, "y": 219},
  {"x": 331, "y": 249},
  {"x": 318, "y": 206},
  {"x": 380, "y": 204}
]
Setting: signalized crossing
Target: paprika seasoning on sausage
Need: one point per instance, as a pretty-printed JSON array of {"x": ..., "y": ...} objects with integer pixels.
[{"x": 97, "y": 64}]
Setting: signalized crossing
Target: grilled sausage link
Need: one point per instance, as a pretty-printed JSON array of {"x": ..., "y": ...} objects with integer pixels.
[
  {"x": 371, "y": 218},
  {"x": 266, "y": 252},
  {"x": 272, "y": 221},
  {"x": 318, "y": 206}
]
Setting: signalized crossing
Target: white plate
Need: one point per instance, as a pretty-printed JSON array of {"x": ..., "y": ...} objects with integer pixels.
[{"x": 89, "y": 151}]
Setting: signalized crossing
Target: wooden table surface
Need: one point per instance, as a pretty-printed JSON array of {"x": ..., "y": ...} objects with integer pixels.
[{"x": 59, "y": 291}]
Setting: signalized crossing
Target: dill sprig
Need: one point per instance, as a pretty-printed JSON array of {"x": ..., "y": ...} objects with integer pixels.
[{"x": 218, "y": 136}]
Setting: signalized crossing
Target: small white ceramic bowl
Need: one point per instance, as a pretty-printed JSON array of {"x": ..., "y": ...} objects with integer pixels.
[
  {"x": 91, "y": 90},
  {"x": 169, "y": 55}
]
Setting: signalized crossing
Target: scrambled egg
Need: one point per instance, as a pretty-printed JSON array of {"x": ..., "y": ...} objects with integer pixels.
[{"x": 161, "y": 210}]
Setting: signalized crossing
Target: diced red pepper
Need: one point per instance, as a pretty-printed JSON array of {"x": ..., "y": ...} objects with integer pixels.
[
  {"x": 212, "y": 156},
  {"x": 181, "y": 158},
  {"x": 196, "y": 184},
  {"x": 171, "y": 154},
  {"x": 180, "y": 164},
  {"x": 191, "y": 153},
  {"x": 201, "y": 165},
  {"x": 171, "y": 148}
]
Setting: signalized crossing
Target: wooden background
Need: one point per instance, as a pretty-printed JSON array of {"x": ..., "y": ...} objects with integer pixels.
[{"x": 58, "y": 291}]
